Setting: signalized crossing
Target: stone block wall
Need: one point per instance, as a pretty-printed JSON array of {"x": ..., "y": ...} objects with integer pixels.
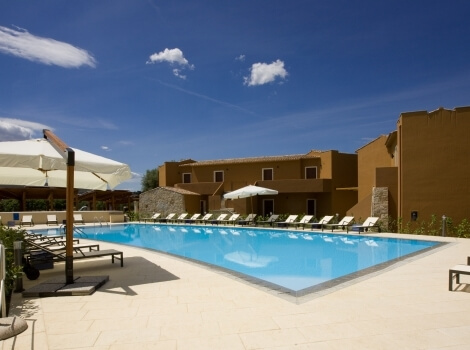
[
  {"x": 379, "y": 204},
  {"x": 161, "y": 200}
]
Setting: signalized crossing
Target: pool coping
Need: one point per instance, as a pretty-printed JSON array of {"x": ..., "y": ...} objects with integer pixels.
[{"x": 309, "y": 293}]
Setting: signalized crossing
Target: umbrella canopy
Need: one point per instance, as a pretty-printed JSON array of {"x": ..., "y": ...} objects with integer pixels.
[
  {"x": 249, "y": 191},
  {"x": 51, "y": 162},
  {"x": 38, "y": 163}
]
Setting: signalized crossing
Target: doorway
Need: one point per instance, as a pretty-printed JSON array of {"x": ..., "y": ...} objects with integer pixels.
[
  {"x": 311, "y": 207},
  {"x": 203, "y": 206},
  {"x": 268, "y": 207}
]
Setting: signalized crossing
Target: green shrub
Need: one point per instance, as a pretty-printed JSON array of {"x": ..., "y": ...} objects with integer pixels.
[
  {"x": 463, "y": 229},
  {"x": 7, "y": 237}
]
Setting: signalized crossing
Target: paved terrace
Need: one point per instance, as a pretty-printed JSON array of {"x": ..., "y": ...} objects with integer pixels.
[{"x": 160, "y": 302}]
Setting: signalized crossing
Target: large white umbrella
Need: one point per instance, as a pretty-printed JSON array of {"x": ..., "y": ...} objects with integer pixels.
[
  {"x": 51, "y": 162},
  {"x": 38, "y": 163},
  {"x": 250, "y": 191}
]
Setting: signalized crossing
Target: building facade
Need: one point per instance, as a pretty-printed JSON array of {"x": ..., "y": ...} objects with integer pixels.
[
  {"x": 317, "y": 183},
  {"x": 417, "y": 171},
  {"x": 423, "y": 165}
]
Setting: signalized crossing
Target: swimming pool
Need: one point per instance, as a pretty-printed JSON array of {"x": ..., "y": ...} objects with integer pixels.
[{"x": 294, "y": 262}]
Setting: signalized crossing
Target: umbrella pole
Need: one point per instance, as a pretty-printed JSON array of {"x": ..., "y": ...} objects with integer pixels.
[
  {"x": 69, "y": 224},
  {"x": 69, "y": 156}
]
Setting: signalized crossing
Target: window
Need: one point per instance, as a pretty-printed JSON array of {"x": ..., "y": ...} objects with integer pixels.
[
  {"x": 267, "y": 174},
  {"x": 311, "y": 172},
  {"x": 218, "y": 176},
  {"x": 186, "y": 178}
]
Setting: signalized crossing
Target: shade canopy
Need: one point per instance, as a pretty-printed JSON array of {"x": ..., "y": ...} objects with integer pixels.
[
  {"x": 37, "y": 163},
  {"x": 249, "y": 191}
]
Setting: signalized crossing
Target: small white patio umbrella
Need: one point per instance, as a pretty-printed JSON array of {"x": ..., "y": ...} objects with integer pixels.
[
  {"x": 250, "y": 191},
  {"x": 50, "y": 162}
]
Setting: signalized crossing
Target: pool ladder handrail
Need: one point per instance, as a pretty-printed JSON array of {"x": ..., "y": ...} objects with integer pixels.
[
  {"x": 100, "y": 221},
  {"x": 76, "y": 229}
]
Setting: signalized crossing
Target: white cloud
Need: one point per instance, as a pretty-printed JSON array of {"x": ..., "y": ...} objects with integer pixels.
[
  {"x": 17, "y": 130},
  {"x": 240, "y": 58},
  {"x": 172, "y": 56},
  {"x": 105, "y": 148},
  {"x": 263, "y": 73},
  {"x": 22, "y": 44},
  {"x": 177, "y": 73},
  {"x": 126, "y": 143}
]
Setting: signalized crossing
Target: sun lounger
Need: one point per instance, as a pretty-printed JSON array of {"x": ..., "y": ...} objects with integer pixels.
[
  {"x": 248, "y": 220},
  {"x": 168, "y": 218},
  {"x": 192, "y": 219},
  {"x": 205, "y": 219},
  {"x": 369, "y": 223},
  {"x": 50, "y": 240},
  {"x": 114, "y": 254},
  {"x": 270, "y": 221},
  {"x": 343, "y": 224},
  {"x": 181, "y": 218},
  {"x": 80, "y": 254},
  {"x": 231, "y": 219},
  {"x": 325, "y": 220},
  {"x": 154, "y": 217},
  {"x": 27, "y": 220},
  {"x": 219, "y": 218},
  {"x": 455, "y": 272},
  {"x": 76, "y": 247},
  {"x": 57, "y": 245},
  {"x": 78, "y": 219},
  {"x": 302, "y": 221},
  {"x": 290, "y": 219},
  {"x": 51, "y": 220}
]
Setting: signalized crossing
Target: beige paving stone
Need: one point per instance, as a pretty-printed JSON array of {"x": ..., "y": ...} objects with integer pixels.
[
  {"x": 406, "y": 306},
  {"x": 281, "y": 337},
  {"x": 64, "y": 316},
  {"x": 148, "y": 345},
  {"x": 59, "y": 327},
  {"x": 110, "y": 313},
  {"x": 330, "y": 332},
  {"x": 135, "y": 323},
  {"x": 238, "y": 325},
  {"x": 184, "y": 331},
  {"x": 71, "y": 340},
  {"x": 227, "y": 342},
  {"x": 127, "y": 336}
]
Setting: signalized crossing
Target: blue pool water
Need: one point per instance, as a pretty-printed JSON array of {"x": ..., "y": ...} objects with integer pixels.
[{"x": 292, "y": 260}]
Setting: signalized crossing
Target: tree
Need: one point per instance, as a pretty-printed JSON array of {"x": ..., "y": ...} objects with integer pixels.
[{"x": 150, "y": 180}]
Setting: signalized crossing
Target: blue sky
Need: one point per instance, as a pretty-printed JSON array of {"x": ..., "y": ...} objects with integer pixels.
[{"x": 147, "y": 81}]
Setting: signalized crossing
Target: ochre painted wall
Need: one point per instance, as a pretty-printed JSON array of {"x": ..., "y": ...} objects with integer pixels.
[
  {"x": 289, "y": 174},
  {"x": 370, "y": 157},
  {"x": 434, "y": 172}
]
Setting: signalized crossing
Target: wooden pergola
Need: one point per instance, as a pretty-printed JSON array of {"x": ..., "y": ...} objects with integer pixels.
[
  {"x": 112, "y": 198},
  {"x": 23, "y": 193}
]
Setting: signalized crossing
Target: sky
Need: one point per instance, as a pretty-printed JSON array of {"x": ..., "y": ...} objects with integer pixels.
[{"x": 147, "y": 81}]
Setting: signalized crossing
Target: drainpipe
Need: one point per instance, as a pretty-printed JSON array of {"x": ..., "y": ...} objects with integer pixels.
[{"x": 444, "y": 225}]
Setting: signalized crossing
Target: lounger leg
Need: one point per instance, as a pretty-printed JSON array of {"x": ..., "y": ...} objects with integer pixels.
[
  {"x": 468, "y": 260},
  {"x": 451, "y": 277}
]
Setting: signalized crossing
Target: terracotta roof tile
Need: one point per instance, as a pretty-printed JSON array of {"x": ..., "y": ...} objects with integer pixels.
[
  {"x": 250, "y": 160},
  {"x": 180, "y": 190}
]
